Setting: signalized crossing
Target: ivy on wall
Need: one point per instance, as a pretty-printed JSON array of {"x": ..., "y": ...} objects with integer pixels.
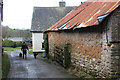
[{"x": 46, "y": 46}]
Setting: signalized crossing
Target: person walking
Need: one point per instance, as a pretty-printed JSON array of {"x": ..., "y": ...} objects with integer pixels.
[{"x": 24, "y": 49}]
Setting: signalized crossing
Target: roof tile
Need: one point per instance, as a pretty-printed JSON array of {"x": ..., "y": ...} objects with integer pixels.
[{"x": 44, "y": 17}]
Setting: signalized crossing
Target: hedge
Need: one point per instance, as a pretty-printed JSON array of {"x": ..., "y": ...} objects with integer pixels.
[{"x": 8, "y": 43}]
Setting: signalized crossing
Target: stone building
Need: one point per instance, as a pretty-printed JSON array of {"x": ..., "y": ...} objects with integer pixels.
[
  {"x": 43, "y": 18},
  {"x": 89, "y": 38},
  {"x": 1, "y": 16}
]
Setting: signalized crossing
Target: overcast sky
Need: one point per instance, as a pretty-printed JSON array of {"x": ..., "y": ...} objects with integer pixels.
[{"x": 17, "y": 14}]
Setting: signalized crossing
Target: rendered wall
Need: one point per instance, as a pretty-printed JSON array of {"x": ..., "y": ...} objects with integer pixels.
[{"x": 37, "y": 39}]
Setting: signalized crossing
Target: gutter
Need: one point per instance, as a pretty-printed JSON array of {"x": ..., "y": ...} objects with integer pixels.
[{"x": 36, "y": 31}]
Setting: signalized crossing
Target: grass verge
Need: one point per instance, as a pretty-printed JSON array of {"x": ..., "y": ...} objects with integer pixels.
[
  {"x": 12, "y": 49},
  {"x": 30, "y": 52},
  {"x": 8, "y": 48},
  {"x": 5, "y": 65}
]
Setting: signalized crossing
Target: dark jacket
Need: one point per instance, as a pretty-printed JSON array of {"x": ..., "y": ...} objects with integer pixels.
[{"x": 24, "y": 47}]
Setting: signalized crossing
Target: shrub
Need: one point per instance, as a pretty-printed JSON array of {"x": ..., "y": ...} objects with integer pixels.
[
  {"x": 18, "y": 44},
  {"x": 8, "y": 43}
]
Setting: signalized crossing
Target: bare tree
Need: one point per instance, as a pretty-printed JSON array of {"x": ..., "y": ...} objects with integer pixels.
[
  {"x": 27, "y": 35},
  {"x": 8, "y": 32}
]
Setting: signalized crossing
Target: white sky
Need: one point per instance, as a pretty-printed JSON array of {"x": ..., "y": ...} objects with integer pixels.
[{"x": 17, "y": 14}]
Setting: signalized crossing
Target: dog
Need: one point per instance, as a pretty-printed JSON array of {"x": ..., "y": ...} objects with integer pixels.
[
  {"x": 35, "y": 54},
  {"x": 20, "y": 55}
]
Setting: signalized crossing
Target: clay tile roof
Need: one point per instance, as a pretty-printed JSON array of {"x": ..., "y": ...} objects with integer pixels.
[
  {"x": 89, "y": 13},
  {"x": 44, "y": 17}
]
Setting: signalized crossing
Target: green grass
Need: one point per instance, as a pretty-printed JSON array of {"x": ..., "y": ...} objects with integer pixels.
[
  {"x": 5, "y": 65},
  {"x": 80, "y": 74},
  {"x": 8, "y": 48},
  {"x": 30, "y": 47},
  {"x": 30, "y": 52},
  {"x": 12, "y": 49},
  {"x": 17, "y": 48}
]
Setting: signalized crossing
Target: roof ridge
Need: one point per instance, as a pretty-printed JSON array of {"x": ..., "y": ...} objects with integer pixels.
[{"x": 54, "y": 7}]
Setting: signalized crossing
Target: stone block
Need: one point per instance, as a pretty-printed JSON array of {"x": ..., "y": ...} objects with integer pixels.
[
  {"x": 114, "y": 53},
  {"x": 115, "y": 49}
]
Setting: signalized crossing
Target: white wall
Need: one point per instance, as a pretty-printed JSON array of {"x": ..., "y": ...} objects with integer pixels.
[{"x": 37, "y": 39}]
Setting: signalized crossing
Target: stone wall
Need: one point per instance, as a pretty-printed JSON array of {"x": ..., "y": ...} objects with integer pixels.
[
  {"x": 86, "y": 47},
  {"x": 0, "y": 45},
  {"x": 112, "y": 49},
  {"x": 0, "y": 51},
  {"x": 94, "y": 49},
  {"x": 0, "y": 37}
]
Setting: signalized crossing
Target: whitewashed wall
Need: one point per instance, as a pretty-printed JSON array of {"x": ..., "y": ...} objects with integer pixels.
[{"x": 37, "y": 39}]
